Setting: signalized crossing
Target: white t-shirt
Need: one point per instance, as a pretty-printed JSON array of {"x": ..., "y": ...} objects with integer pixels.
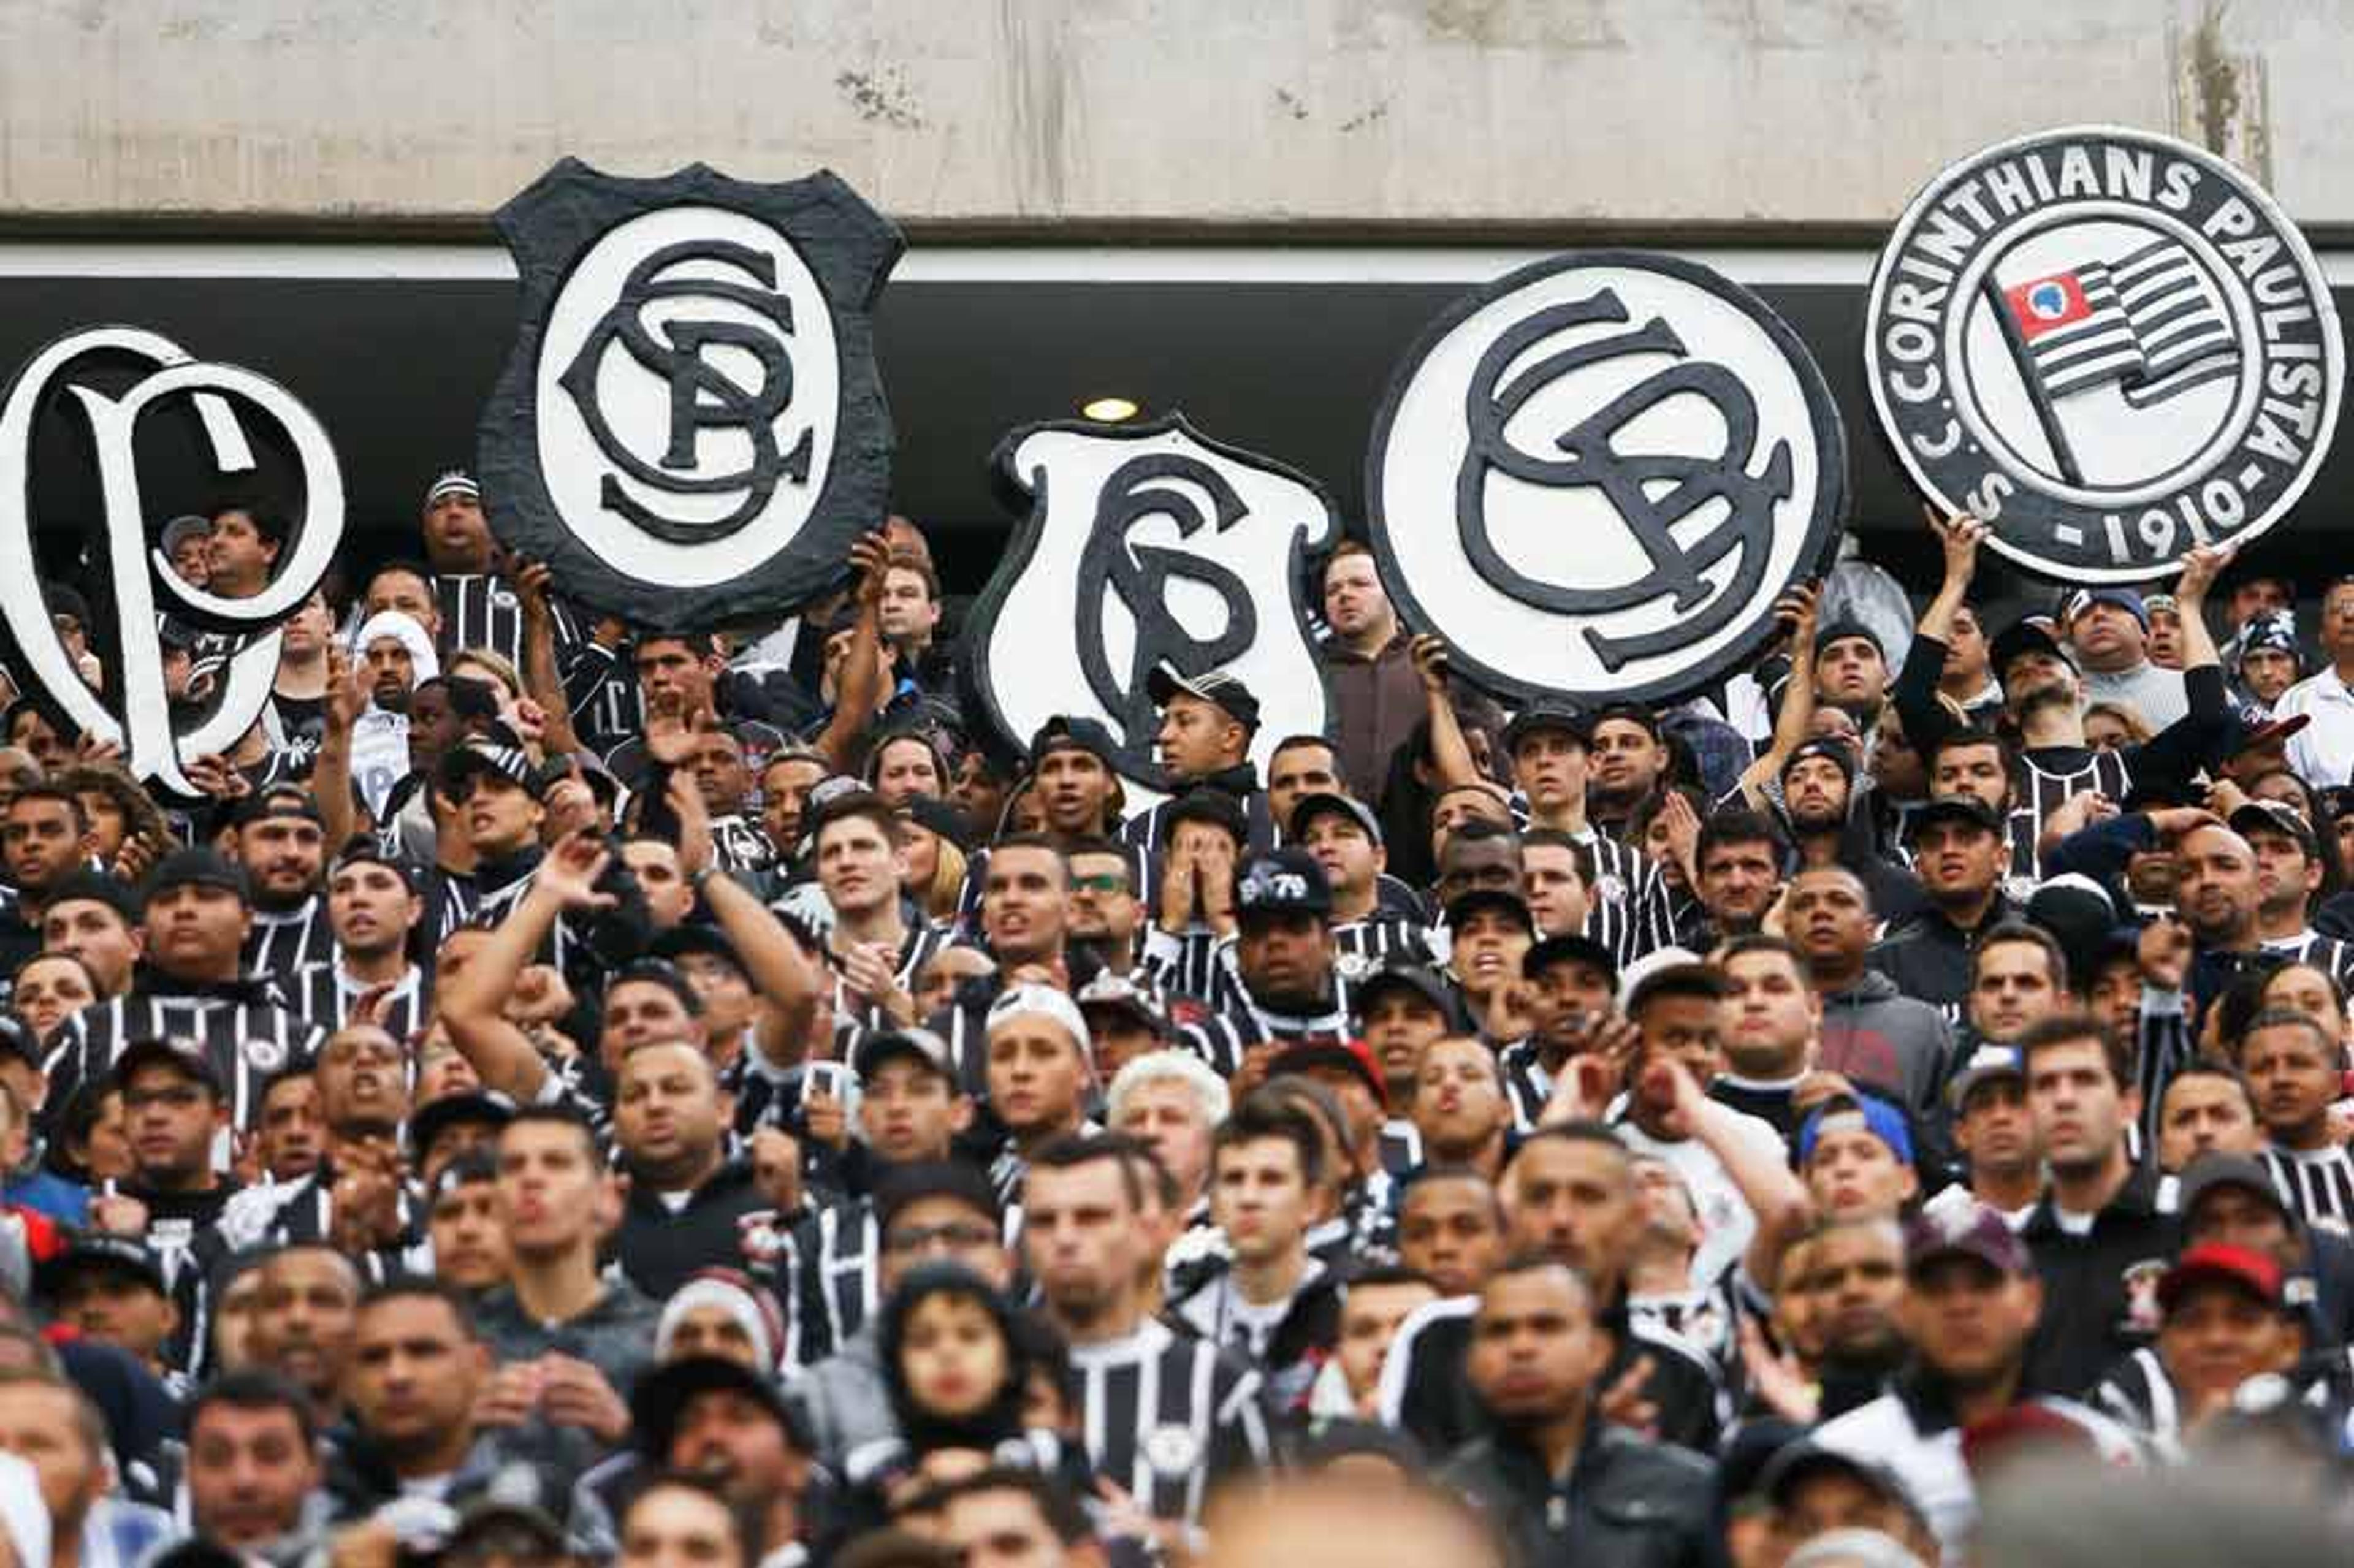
[{"x": 1727, "y": 1227}]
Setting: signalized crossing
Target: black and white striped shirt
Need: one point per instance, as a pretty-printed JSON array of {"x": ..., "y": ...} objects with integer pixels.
[
  {"x": 283, "y": 940},
  {"x": 2044, "y": 789},
  {"x": 326, "y": 995},
  {"x": 479, "y": 609},
  {"x": 2318, "y": 1184},
  {"x": 838, "y": 1263},
  {"x": 2310, "y": 946},
  {"x": 1168, "y": 1417},
  {"x": 245, "y": 1031}
]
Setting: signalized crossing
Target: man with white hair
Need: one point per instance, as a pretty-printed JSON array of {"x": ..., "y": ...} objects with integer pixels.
[
  {"x": 1172, "y": 1102},
  {"x": 1041, "y": 1066}
]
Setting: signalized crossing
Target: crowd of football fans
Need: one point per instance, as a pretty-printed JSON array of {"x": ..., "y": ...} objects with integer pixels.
[{"x": 556, "y": 1092}]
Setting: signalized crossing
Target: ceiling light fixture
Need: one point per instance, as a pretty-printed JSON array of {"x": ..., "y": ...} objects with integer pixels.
[{"x": 1108, "y": 410}]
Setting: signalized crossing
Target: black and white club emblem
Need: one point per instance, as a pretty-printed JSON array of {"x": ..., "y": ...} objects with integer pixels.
[
  {"x": 1594, "y": 476},
  {"x": 691, "y": 428},
  {"x": 2107, "y": 344},
  {"x": 234, "y": 411},
  {"x": 1148, "y": 546}
]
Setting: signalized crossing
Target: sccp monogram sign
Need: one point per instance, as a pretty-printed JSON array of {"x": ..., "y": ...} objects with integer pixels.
[
  {"x": 1594, "y": 476},
  {"x": 137, "y": 713},
  {"x": 691, "y": 429},
  {"x": 1153, "y": 546}
]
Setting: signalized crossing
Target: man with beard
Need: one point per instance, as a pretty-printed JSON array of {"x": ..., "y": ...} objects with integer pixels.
[
  {"x": 395, "y": 658},
  {"x": 2290, "y": 880},
  {"x": 252, "y": 1465},
  {"x": 2218, "y": 895},
  {"x": 1851, "y": 670},
  {"x": 2043, "y": 689},
  {"x": 1105, "y": 918},
  {"x": 1566, "y": 1484},
  {"x": 1377, "y": 694},
  {"x": 303, "y": 1318},
  {"x": 282, "y": 843},
  {"x": 372, "y": 908},
  {"x": 1871, "y": 1032},
  {"x": 1281, "y": 984},
  {"x": 1855, "y": 1271},
  {"x": 1959, "y": 854},
  {"x": 1969, "y": 1311},
  {"x": 689, "y": 1204},
  {"x": 1629, "y": 761},
  {"x": 1818, "y": 790},
  {"x": 873, "y": 950},
  {"x": 1973, "y": 761},
  {"x": 1739, "y": 864},
  {"x": 708, "y": 1417}
]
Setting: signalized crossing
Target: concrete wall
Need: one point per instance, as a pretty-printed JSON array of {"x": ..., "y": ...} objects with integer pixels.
[{"x": 1657, "y": 116}]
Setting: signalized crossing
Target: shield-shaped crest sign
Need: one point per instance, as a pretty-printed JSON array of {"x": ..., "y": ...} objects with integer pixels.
[
  {"x": 691, "y": 428},
  {"x": 1148, "y": 547}
]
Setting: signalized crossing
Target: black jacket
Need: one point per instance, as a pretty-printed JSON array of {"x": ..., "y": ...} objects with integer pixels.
[
  {"x": 2100, "y": 1290},
  {"x": 1929, "y": 955},
  {"x": 719, "y": 1228},
  {"x": 1626, "y": 1503}
]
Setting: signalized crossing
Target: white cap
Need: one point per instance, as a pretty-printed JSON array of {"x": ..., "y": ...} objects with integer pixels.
[{"x": 1045, "y": 1002}]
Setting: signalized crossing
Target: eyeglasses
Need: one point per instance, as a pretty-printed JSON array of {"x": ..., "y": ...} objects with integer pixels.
[
  {"x": 1107, "y": 881},
  {"x": 952, "y": 1237}
]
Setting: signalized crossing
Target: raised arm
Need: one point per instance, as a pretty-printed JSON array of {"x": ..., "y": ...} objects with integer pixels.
[
  {"x": 1760, "y": 1169},
  {"x": 1450, "y": 754},
  {"x": 539, "y": 670},
  {"x": 331, "y": 770},
  {"x": 861, "y": 683},
  {"x": 2189, "y": 744},
  {"x": 471, "y": 1001},
  {"x": 1797, "y": 610}
]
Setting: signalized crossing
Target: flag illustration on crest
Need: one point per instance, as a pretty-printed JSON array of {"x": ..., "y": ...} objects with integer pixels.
[{"x": 2145, "y": 321}]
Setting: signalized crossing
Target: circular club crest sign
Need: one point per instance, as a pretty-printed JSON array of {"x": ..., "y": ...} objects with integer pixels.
[
  {"x": 1594, "y": 476},
  {"x": 2109, "y": 346}
]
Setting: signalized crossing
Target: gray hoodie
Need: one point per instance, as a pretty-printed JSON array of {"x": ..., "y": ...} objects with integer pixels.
[{"x": 1879, "y": 1038}]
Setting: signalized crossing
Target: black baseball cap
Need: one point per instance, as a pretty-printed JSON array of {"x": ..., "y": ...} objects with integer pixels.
[
  {"x": 1959, "y": 807},
  {"x": 690, "y": 937},
  {"x": 941, "y": 818},
  {"x": 2023, "y": 637},
  {"x": 1213, "y": 806},
  {"x": 1631, "y": 713},
  {"x": 428, "y": 1122},
  {"x": 197, "y": 867},
  {"x": 1288, "y": 881},
  {"x": 1325, "y": 803},
  {"x": 186, "y": 1057},
  {"x": 95, "y": 1251},
  {"x": 1219, "y": 688},
  {"x": 97, "y": 887},
  {"x": 662, "y": 1397},
  {"x": 277, "y": 800},
  {"x": 2215, "y": 1169},
  {"x": 1570, "y": 948},
  {"x": 921, "y": 1046},
  {"x": 2275, "y": 817},
  {"x": 1494, "y": 900},
  {"x": 1064, "y": 732},
  {"x": 1399, "y": 974},
  {"x": 1547, "y": 713},
  {"x": 1845, "y": 629}
]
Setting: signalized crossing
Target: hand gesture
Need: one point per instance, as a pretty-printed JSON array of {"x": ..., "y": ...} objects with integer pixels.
[
  {"x": 1817, "y": 1087},
  {"x": 137, "y": 857},
  {"x": 2077, "y": 812},
  {"x": 348, "y": 689},
  {"x": 2200, "y": 568},
  {"x": 570, "y": 874},
  {"x": 1180, "y": 888},
  {"x": 2224, "y": 796},
  {"x": 1681, "y": 823},
  {"x": 871, "y": 969},
  {"x": 1960, "y": 537},
  {"x": 823, "y": 1116},
  {"x": 1776, "y": 1376},
  {"x": 2162, "y": 952},
  {"x": 365, "y": 1204},
  {"x": 686, "y": 797},
  {"x": 1796, "y": 612},
  {"x": 609, "y": 632},
  {"x": 575, "y": 1394},
  {"x": 213, "y": 775},
  {"x": 510, "y": 1396},
  {"x": 1669, "y": 1085},
  {"x": 531, "y": 585},
  {"x": 539, "y": 996},
  {"x": 669, "y": 727},
  {"x": 1626, "y": 1403},
  {"x": 118, "y": 1215},
  {"x": 1430, "y": 662},
  {"x": 2173, "y": 821},
  {"x": 870, "y": 557}
]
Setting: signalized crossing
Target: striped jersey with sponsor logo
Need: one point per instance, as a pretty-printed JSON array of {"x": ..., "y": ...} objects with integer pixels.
[
  {"x": 2317, "y": 1183},
  {"x": 1167, "y": 1418}
]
